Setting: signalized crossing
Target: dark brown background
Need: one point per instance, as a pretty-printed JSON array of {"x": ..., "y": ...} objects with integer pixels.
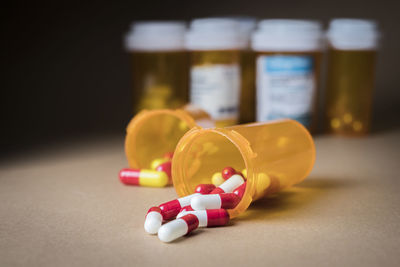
[{"x": 65, "y": 73}]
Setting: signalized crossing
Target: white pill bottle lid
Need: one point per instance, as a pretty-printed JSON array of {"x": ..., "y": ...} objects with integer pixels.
[
  {"x": 213, "y": 34},
  {"x": 246, "y": 27},
  {"x": 156, "y": 36},
  {"x": 288, "y": 35},
  {"x": 353, "y": 34}
]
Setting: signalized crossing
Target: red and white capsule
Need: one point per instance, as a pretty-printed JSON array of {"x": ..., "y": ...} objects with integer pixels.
[
  {"x": 229, "y": 185},
  {"x": 143, "y": 177},
  {"x": 177, "y": 228},
  {"x": 171, "y": 208},
  {"x": 240, "y": 190},
  {"x": 153, "y": 220},
  {"x": 215, "y": 201},
  {"x": 204, "y": 188},
  {"x": 187, "y": 208},
  {"x": 184, "y": 210},
  {"x": 209, "y": 218}
]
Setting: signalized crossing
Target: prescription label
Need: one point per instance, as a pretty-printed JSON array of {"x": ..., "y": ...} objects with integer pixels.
[
  {"x": 285, "y": 88},
  {"x": 215, "y": 88}
]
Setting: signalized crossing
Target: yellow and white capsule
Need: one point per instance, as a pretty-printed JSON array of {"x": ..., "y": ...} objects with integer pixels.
[
  {"x": 143, "y": 177},
  {"x": 217, "y": 179}
]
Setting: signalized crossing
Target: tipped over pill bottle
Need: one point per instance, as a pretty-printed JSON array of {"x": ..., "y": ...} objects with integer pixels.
[
  {"x": 288, "y": 60},
  {"x": 215, "y": 46},
  {"x": 352, "y": 53},
  {"x": 275, "y": 154},
  {"x": 159, "y": 64},
  {"x": 153, "y": 133}
]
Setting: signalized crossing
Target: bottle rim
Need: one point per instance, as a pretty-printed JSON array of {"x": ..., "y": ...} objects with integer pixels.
[
  {"x": 237, "y": 140},
  {"x": 137, "y": 121}
]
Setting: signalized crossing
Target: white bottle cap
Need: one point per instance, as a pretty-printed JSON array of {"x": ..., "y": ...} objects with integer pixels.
[
  {"x": 156, "y": 36},
  {"x": 246, "y": 28},
  {"x": 287, "y": 35},
  {"x": 213, "y": 34},
  {"x": 353, "y": 34}
]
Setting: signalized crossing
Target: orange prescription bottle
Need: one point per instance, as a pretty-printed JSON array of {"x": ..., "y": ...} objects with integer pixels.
[
  {"x": 288, "y": 60},
  {"x": 351, "y": 74},
  {"x": 275, "y": 154},
  {"x": 152, "y": 133},
  {"x": 215, "y": 45},
  {"x": 159, "y": 64}
]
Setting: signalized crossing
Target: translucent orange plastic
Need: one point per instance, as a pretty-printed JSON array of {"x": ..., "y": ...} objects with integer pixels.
[
  {"x": 152, "y": 133},
  {"x": 276, "y": 155},
  {"x": 349, "y": 91}
]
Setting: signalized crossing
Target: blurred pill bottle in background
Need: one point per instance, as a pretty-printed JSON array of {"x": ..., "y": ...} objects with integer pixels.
[
  {"x": 247, "y": 93},
  {"x": 160, "y": 64},
  {"x": 288, "y": 62},
  {"x": 215, "y": 45},
  {"x": 350, "y": 75}
]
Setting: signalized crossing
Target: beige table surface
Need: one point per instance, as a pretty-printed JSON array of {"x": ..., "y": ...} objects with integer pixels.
[{"x": 64, "y": 206}]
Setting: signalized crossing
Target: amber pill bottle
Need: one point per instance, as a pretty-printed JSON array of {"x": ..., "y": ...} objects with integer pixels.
[
  {"x": 288, "y": 61},
  {"x": 152, "y": 133},
  {"x": 276, "y": 155},
  {"x": 215, "y": 79},
  {"x": 350, "y": 76},
  {"x": 159, "y": 64}
]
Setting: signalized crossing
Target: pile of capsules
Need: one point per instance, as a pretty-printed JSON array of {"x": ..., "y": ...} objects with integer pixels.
[{"x": 207, "y": 207}]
